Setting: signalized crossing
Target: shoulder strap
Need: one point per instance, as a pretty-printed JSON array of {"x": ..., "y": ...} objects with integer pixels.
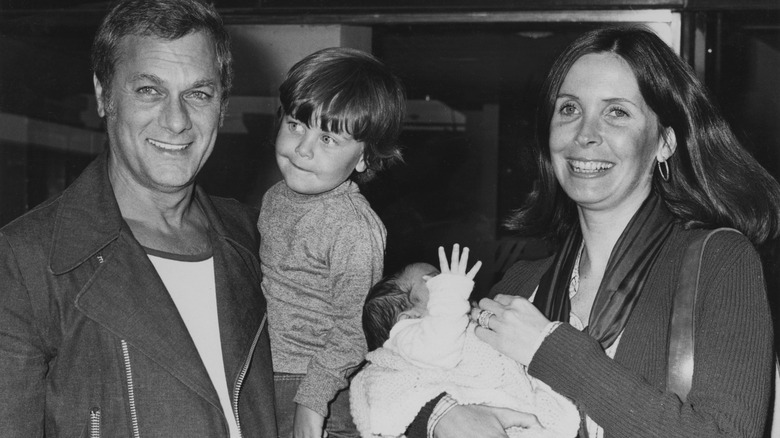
[{"x": 682, "y": 323}]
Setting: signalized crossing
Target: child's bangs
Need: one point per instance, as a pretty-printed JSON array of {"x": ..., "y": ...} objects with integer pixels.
[{"x": 338, "y": 114}]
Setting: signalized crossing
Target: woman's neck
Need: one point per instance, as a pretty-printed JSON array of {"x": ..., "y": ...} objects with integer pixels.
[{"x": 600, "y": 232}]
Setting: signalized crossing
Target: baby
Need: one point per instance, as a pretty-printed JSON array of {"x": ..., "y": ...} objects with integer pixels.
[{"x": 422, "y": 344}]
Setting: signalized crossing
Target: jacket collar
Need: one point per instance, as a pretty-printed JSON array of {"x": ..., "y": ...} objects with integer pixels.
[
  {"x": 125, "y": 295},
  {"x": 88, "y": 219}
]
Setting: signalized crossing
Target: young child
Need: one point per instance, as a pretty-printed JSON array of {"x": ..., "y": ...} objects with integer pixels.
[
  {"x": 431, "y": 348},
  {"x": 322, "y": 245}
]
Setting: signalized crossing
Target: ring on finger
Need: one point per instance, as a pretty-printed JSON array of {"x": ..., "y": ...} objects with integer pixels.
[{"x": 484, "y": 318}]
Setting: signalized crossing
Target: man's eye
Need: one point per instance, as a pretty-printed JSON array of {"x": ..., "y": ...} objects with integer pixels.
[
  {"x": 151, "y": 91},
  {"x": 200, "y": 95}
]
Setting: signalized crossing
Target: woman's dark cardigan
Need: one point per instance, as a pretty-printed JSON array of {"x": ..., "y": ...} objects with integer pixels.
[{"x": 733, "y": 357}]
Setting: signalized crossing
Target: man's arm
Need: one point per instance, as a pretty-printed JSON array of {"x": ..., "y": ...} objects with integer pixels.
[{"x": 23, "y": 361}]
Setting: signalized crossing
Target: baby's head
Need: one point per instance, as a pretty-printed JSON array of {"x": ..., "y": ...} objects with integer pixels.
[
  {"x": 396, "y": 297},
  {"x": 351, "y": 95}
]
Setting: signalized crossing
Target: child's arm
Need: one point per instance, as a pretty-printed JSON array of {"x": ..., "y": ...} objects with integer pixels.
[
  {"x": 356, "y": 260},
  {"x": 436, "y": 340},
  {"x": 307, "y": 423}
]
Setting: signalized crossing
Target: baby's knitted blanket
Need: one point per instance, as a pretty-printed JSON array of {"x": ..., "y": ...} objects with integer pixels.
[{"x": 389, "y": 392}]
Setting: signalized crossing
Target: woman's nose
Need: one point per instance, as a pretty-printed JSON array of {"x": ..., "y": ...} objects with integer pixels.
[{"x": 588, "y": 133}]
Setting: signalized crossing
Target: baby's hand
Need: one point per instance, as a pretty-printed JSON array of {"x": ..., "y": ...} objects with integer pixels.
[{"x": 459, "y": 262}]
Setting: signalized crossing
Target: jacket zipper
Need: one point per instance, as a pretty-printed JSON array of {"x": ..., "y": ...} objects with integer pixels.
[
  {"x": 130, "y": 390},
  {"x": 242, "y": 374},
  {"x": 94, "y": 422}
]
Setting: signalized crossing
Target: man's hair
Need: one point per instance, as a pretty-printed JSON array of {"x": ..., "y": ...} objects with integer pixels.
[
  {"x": 385, "y": 301},
  {"x": 346, "y": 90},
  {"x": 165, "y": 19},
  {"x": 714, "y": 182}
]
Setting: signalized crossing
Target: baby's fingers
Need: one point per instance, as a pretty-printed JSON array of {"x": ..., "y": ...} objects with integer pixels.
[
  {"x": 444, "y": 268},
  {"x": 464, "y": 259},
  {"x": 474, "y": 269},
  {"x": 454, "y": 264}
]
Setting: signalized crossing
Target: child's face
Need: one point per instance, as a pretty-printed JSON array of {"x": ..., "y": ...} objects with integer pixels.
[
  {"x": 314, "y": 161},
  {"x": 413, "y": 278}
]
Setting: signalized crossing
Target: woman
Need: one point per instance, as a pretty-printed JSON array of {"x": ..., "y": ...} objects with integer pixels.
[{"x": 635, "y": 162}]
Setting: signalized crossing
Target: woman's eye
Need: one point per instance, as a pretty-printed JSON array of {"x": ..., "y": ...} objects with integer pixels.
[
  {"x": 618, "y": 112},
  {"x": 568, "y": 109}
]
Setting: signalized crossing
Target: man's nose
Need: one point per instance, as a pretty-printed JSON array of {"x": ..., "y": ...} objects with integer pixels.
[{"x": 175, "y": 116}]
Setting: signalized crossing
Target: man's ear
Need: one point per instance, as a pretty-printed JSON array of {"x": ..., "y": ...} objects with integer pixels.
[
  {"x": 101, "y": 109},
  {"x": 668, "y": 145}
]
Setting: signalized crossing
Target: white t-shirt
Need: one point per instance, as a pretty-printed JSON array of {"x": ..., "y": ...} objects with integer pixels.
[{"x": 191, "y": 284}]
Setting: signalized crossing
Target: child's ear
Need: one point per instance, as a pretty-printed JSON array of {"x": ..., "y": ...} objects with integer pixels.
[
  {"x": 361, "y": 165},
  {"x": 407, "y": 314}
]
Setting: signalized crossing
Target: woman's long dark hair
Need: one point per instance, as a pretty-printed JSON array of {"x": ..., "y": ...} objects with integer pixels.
[{"x": 714, "y": 181}]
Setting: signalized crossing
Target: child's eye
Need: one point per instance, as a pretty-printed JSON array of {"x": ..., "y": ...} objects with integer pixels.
[
  {"x": 295, "y": 126},
  {"x": 328, "y": 140}
]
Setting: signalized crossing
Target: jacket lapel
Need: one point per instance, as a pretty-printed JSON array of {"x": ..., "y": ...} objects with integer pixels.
[
  {"x": 125, "y": 295},
  {"x": 128, "y": 298},
  {"x": 240, "y": 304}
]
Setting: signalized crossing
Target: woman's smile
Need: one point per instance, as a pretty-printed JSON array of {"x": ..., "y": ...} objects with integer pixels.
[{"x": 589, "y": 167}]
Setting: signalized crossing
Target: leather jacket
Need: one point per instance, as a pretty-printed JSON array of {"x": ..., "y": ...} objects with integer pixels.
[{"x": 91, "y": 344}]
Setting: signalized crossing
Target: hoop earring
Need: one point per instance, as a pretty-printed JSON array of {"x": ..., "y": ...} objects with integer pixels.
[{"x": 663, "y": 169}]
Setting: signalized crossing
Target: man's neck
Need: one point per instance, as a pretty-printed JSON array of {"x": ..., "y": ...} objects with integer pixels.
[{"x": 166, "y": 221}]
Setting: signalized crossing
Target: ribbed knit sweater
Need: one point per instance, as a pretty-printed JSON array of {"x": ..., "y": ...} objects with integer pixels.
[
  {"x": 733, "y": 358},
  {"x": 320, "y": 255}
]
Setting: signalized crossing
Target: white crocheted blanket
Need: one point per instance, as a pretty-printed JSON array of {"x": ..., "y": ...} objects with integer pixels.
[{"x": 389, "y": 392}]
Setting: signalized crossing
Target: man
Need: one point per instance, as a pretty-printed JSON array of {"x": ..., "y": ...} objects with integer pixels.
[{"x": 130, "y": 305}]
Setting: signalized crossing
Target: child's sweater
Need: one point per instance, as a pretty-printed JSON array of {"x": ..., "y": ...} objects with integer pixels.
[{"x": 320, "y": 255}]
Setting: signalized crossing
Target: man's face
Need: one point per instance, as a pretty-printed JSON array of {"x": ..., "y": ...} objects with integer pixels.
[{"x": 163, "y": 112}]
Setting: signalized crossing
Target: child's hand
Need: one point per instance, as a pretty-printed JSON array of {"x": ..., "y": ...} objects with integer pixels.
[
  {"x": 459, "y": 262},
  {"x": 307, "y": 423}
]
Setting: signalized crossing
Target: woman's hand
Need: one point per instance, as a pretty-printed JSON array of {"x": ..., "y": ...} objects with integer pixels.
[
  {"x": 514, "y": 329},
  {"x": 307, "y": 423},
  {"x": 479, "y": 421}
]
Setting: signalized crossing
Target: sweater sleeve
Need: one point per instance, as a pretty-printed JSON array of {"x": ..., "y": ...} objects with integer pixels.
[
  {"x": 436, "y": 340},
  {"x": 356, "y": 261},
  {"x": 733, "y": 361}
]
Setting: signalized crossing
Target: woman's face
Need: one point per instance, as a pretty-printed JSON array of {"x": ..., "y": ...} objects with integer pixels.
[{"x": 603, "y": 137}]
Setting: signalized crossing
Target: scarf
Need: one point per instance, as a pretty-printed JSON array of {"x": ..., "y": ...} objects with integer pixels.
[{"x": 628, "y": 267}]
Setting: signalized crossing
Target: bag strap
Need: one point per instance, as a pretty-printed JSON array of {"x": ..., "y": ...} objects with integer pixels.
[{"x": 682, "y": 323}]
